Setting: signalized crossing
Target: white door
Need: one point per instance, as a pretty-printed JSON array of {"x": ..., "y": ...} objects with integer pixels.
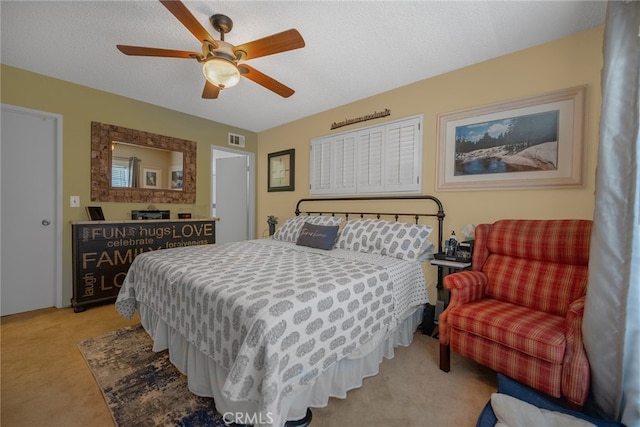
[
  {"x": 232, "y": 200},
  {"x": 30, "y": 214}
]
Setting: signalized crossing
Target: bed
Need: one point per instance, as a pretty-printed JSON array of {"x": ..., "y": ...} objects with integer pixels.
[{"x": 274, "y": 326}]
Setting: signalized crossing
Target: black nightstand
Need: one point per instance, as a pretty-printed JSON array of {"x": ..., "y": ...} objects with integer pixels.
[{"x": 431, "y": 313}]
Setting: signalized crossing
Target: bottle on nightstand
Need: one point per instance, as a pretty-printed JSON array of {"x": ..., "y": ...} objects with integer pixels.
[{"x": 451, "y": 245}]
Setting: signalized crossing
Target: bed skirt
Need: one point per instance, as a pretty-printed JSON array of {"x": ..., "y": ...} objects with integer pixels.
[{"x": 206, "y": 378}]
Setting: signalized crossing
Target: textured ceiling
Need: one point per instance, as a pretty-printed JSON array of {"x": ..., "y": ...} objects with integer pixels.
[{"x": 353, "y": 49}]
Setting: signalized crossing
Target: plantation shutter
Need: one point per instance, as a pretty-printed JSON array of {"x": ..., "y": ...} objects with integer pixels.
[
  {"x": 402, "y": 156},
  {"x": 320, "y": 166},
  {"x": 378, "y": 159},
  {"x": 370, "y": 160},
  {"x": 344, "y": 159}
]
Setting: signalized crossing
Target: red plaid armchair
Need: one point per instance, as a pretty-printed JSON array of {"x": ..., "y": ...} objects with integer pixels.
[{"x": 519, "y": 310}]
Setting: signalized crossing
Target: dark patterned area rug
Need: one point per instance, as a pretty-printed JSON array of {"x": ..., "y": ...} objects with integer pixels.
[{"x": 143, "y": 388}]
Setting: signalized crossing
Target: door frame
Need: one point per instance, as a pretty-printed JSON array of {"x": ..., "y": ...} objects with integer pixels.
[
  {"x": 251, "y": 191},
  {"x": 57, "y": 223}
]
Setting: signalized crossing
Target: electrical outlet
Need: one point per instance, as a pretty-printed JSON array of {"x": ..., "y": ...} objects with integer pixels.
[{"x": 75, "y": 201}]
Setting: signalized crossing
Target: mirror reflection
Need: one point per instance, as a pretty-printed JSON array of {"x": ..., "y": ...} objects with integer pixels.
[
  {"x": 165, "y": 166},
  {"x": 133, "y": 166}
]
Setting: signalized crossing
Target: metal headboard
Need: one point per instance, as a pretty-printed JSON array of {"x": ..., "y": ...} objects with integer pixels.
[{"x": 439, "y": 214}]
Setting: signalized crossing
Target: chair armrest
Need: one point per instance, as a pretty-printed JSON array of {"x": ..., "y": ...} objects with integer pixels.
[
  {"x": 576, "y": 309},
  {"x": 575, "y": 370},
  {"x": 465, "y": 286}
]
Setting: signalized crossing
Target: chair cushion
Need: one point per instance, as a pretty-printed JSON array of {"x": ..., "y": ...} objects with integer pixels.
[
  {"x": 539, "y": 285},
  {"x": 540, "y": 264},
  {"x": 564, "y": 241},
  {"x": 532, "y": 332}
]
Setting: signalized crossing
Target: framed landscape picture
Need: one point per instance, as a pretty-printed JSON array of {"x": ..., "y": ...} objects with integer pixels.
[{"x": 526, "y": 143}]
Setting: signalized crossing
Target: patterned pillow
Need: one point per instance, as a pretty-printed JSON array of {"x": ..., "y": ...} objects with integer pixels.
[
  {"x": 376, "y": 236},
  {"x": 318, "y": 236},
  {"x": 290, "y": 230}
]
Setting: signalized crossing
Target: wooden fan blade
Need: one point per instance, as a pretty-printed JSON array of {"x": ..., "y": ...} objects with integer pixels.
[
  {"x": 266, "y": 81},
  {"x": 152, "y": 51},
  {"x": 210, "y": 91},
  {"x": 276, "y": 43},
  {"x": 180, "y": 11}
]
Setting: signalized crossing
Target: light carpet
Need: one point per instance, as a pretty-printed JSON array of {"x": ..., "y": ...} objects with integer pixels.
[{"x": 143, "y": 388}]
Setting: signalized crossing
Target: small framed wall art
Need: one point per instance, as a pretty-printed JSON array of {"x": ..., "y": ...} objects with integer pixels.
[
  {"x": 281, "y": 171},
  {"x": 95, "y": 213},
  {"x": 150, "y": 178},
  {"x": 176, "y": 178}
]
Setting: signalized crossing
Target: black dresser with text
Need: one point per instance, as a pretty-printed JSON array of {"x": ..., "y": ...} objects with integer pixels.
[{"x": 104, "y": 250}]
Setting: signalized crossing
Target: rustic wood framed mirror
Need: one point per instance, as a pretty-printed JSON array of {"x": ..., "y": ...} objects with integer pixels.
[{"x": 129, "y": 165}]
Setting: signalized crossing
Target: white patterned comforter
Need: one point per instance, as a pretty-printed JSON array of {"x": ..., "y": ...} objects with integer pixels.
[{"x": 273, "y": 314}]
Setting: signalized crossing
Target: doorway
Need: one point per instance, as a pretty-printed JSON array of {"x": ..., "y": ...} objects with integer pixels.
[
  {"x": 31, "y": 210},
  {"x": 233, "y": 194}
]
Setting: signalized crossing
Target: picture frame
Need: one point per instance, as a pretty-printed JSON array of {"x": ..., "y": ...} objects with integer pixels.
[
  {"x": 176, "y": 178},
  {"x": 95, "y": 213},
  {"x": 151, "y": 178},
  {"x": 531, "y": 142},
  {"x": 281, "y": 170}
]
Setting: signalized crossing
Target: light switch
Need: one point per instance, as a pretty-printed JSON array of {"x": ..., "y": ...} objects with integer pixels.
[{"x": 75, "y": 201}]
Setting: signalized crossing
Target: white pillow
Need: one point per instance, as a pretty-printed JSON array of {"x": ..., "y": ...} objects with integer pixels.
[
  {"x": 376, "y": 236},
  {"x": 290, "y": 230},
  {"x": 514, "y": 412}
]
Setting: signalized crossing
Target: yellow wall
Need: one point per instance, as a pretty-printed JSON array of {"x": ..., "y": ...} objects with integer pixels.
[
  {"x": 79, "y": 106},
  {"x": 571, "y": 61}
]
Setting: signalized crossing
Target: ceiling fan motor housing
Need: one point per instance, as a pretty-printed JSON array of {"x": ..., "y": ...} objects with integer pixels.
[
  {"x": 224, "y": 50},
  {"x": 221, "y": 23}
]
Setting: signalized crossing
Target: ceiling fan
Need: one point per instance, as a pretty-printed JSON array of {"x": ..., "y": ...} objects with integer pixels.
[{"x": 223, "y": 63}]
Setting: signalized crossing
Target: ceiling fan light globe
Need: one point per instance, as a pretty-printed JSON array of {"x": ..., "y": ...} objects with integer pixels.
[{"x": 221, "y": 72}]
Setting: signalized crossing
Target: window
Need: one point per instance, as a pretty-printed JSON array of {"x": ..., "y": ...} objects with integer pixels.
[
  {"x": 119, "y": 173},
  {"x": 378, "y": 159}
]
